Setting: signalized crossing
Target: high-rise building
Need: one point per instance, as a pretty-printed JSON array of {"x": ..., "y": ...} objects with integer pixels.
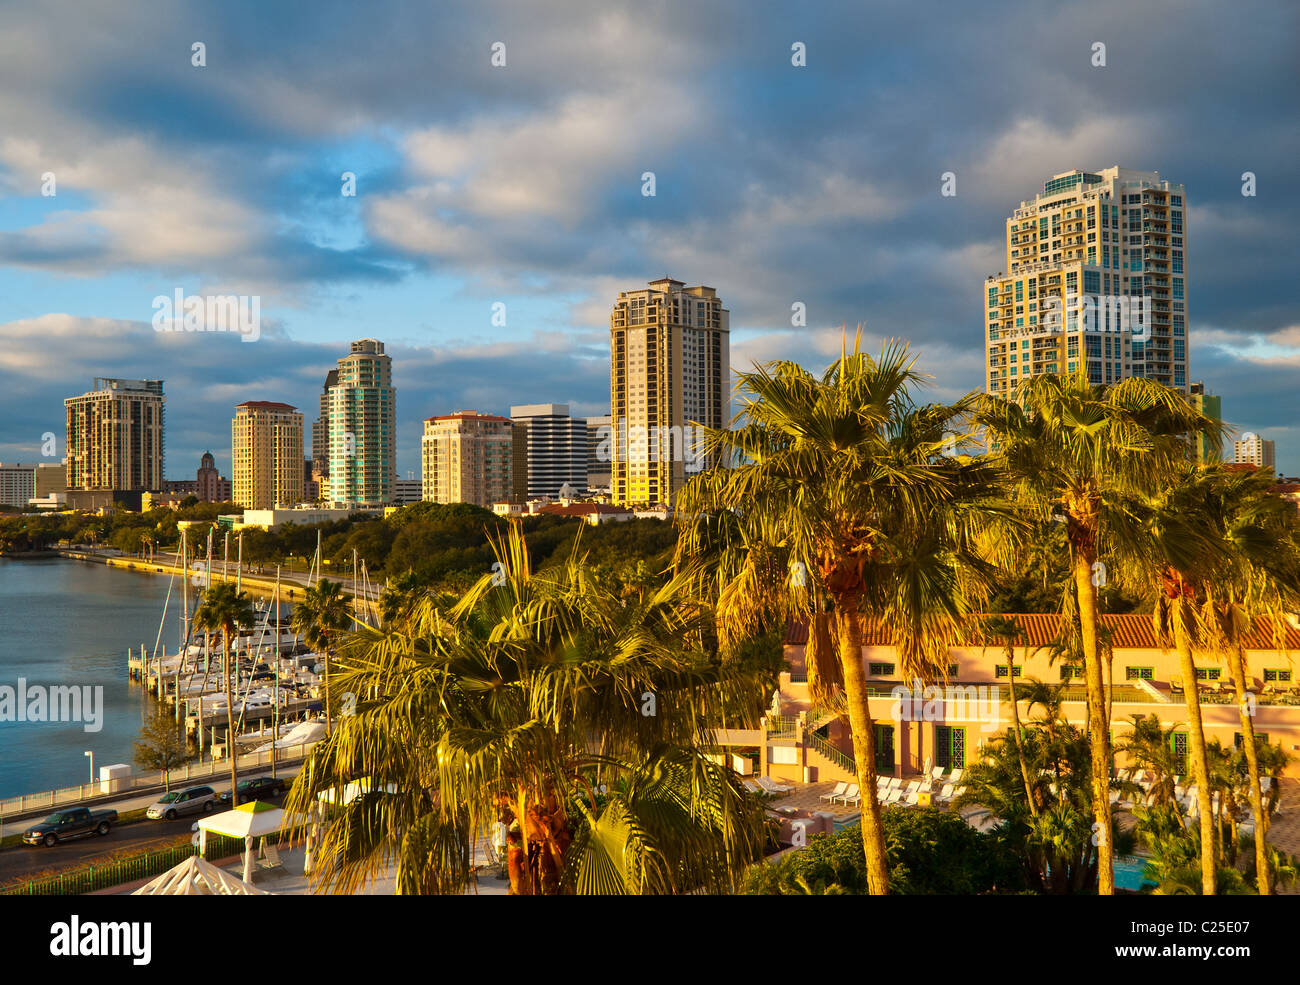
[
  {"x": 670, "y": 358},
  {"x": 266, "y": 447},
  {"x": 598, "y": 452},
  {"x": 17, "y": 484},
  {"x": 50, "y": 479},
  {"x": 468, "y": 458},
  {"x": 1096, "y": 280},
  {"x": 320, "y": 430},
  {"x": 1251, "y": 449},
  {"x": 1209, "y": 448},
  {"x": 407, "y": 491},
  {"x": 555, "y": 446},
  {"x": 363, "y": 428},
  {"x": 115, "y": 436}
]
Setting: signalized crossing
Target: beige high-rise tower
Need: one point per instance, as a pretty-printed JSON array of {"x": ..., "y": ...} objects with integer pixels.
[
  {"x": 266, "y": 446},
  {"x": 468, "y": 457},
  {"x": 670, "y": 370},
  {"x": 1096, "y": 280},
  {"x": 115, "y": 436}
]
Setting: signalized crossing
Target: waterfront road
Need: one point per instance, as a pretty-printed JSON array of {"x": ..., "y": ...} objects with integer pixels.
[{"x": 21, "y": 862}]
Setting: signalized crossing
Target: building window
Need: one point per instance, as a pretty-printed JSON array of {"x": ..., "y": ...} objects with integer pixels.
[
  {"x": 1000, "y": 670},
  {"x": 1139, "y": 673},
  {"x": 950, "y": 746},
  {"x": 1071, "y": 672},
  {"x": 1208, "y": 673},
  {"x": 1276, "y": 675},
  {"x": 881, "y": 670},
  {"x": 953, "y": 668},
  {"x": 1178, "y": 746}
]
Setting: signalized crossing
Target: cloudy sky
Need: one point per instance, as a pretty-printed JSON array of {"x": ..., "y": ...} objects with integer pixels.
[{"x": 521, "y": 184}]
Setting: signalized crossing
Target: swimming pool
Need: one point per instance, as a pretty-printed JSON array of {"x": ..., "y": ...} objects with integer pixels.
[{"x": 1128, "y": 873}]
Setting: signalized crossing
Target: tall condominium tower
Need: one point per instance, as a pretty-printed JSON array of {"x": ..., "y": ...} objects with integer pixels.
[
  {"x": 1096, "y": 280},
  {"x": 363, "y": 428},
  {"x": 266, "y": 444},
  {"x": 670, "y": 358},
  {"x": 556, "y": 447},
  {"x": 598, "y": 429},
  {"x": 115, "y": 436},
  {"x": 320, "y": 429},
  {"x": 468, "y": 458}
]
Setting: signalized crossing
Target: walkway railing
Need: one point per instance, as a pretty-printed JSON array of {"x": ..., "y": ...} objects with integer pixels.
[
  {"x": 837, "y": 756},
  {"x": 182, "y": 776}
]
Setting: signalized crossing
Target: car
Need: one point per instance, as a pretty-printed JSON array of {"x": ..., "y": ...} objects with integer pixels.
[
  {"x": 256, "y": 788},
  {"x": 76, "y": 822},
  {"x": 192, "y": 800}
]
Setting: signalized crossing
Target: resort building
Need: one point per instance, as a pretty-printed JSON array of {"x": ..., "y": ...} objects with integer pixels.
[
  {"x": 468, "y": 457},
  {"x": 918, "y": 729},
  {"x": 1096, "y": 280},
  {"x": 1209, "y": 448},
  {"x": 670, "y": 370},
  {"x": 266, "y": 446},
  {"x": 363, "y": 428},
  {"x": 554, "y": 448},
  {"x": 115, "y": 436},
  {"x": 1251, "y": 449}
]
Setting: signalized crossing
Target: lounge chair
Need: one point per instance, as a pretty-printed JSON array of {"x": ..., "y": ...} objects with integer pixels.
[
  {"x": 912, "y": 798},
  {"x": 752, "y": 787},
  {"x": 895, "y": 781},
  {"x": 840, "y": 789},
  {"x": 852, "y": 791},
  {"x": 894, "y": 796},
  {"x": 945, "y": 794},
  {"x": 936, "y": 774},
  {"x": 270, "y": 856},
  {"x": 956, "y": 775},
  {"x": 771, "y": 786},
  {"x": 853, "y": 799}
]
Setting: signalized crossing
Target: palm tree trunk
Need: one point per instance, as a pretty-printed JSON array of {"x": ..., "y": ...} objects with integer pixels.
[
  {"x": 1015, "y": 724},
  {"x": 1098, "y": 734},
  {"x": 849, "y": 632},
  {"x": 1196, "y": 744},
  {"x": 329, "y": 723},
  {"x": 1237, "y": 664},
  {"x": 230, "y": 731}
]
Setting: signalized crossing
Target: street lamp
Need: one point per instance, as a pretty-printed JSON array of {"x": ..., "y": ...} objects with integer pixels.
[{"x": 91, "y": 754}]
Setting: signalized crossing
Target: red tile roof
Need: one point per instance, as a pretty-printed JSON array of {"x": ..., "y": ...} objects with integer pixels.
[
  {"x": 266, "y": 405},
  {"x": 1132, "y": 631}
]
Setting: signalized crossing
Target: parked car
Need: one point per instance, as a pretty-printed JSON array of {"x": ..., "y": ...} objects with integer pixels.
[
  {"x": 76, "y": 822},
  {"x": 192, "y": 800},
  {"x": 255, "y": 788}
]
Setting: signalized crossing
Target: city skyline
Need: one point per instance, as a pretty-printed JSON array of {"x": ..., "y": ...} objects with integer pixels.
[{"x": 495, "y": 221}]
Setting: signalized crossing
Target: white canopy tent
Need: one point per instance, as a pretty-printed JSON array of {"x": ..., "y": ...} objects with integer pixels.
[
  {"x": 248, "y": 821},
  {"x": 195, "y": 877}
]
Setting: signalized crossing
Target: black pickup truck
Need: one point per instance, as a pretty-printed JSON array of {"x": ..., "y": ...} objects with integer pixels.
[{"x": 75, "y": 822}]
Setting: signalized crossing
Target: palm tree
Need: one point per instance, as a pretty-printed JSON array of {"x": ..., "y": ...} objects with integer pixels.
[
  {"x": 1260, "y": 577},
  {"x": 323, "y": 613},
  {"x": 1008, "y": 631},
  {"x": 1077, "y": 451},
  {"x": 1181, "y": 556},
  {"x": 841, "y": 507},
  {"x": 226, "y": 611},
  {"x": 578, "y": 721},
  {"x": 1149, "y": 747}
]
